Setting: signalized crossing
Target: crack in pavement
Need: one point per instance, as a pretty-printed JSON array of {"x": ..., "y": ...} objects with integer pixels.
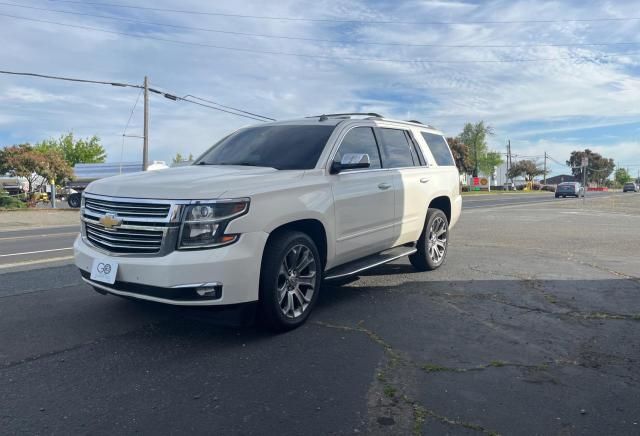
[
  {"x": 37, "y": 357},
  {"x": 391, "y": 388},
  {"x": 392, "y": 399},
  {"x": 534, "y": 283}
]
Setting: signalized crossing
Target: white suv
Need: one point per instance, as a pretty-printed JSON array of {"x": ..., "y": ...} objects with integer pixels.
[{"x": 270, "y": 211}]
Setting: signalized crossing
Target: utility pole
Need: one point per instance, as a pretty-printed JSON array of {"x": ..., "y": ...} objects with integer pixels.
[
  {"x": 545, "y": 169},
  {"x": 508, "y": 161},
  {"x": 475, "y": 157},
  {"x": 145, "y": 147},
  {"x": 585, "y": 165}
]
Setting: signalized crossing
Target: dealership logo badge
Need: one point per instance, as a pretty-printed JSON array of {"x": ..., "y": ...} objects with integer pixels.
[
  {"x": 110, "y": 221},
  {"x": 103, "y": 268}
]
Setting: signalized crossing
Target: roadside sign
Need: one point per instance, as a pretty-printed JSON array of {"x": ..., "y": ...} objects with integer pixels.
[{"x": 585, "y": 162}]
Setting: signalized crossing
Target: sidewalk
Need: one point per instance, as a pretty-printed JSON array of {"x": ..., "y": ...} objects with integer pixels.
[{"x": 34, "y": 218}]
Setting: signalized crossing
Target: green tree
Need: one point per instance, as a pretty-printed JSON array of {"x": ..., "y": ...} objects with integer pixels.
[
  {"x": 74, "y": 150},
  {"x": 622, "y": 176},
  {"x": 179, "y": 158},
  {"x": 475, "y": 137},
  {"x": 527, "y": 168},
  {"x": 38, "y": 166},
  {"x": 460, "y": 152},
  {"x": 599, "y": 169},
  {"x": 489, "y": 161}
]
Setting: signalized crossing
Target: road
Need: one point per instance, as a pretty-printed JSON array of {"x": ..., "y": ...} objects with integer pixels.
[
  {"x": 529, "y": 328},
  {"x": 53, "y": 244},
  {"x": 36, "y": 246},
  {"x": 473, "y": 201}
]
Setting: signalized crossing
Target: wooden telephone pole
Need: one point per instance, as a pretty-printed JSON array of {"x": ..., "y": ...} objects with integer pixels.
[{"x": 145, "y": 147}]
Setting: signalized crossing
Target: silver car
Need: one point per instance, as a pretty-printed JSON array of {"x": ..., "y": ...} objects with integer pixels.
[
  {"x": 631, "y": 187},
  {"x": 570, "y": 189}
]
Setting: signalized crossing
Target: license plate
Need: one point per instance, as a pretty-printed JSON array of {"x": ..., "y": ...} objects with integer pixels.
[{"x": 104, "y": 271}]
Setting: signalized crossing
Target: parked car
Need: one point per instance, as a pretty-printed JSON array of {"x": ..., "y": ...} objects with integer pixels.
[
  {"x": 631, "y": 187},
  {"x": 572, "y": 189},
  {"x": 270, "y": 211}
]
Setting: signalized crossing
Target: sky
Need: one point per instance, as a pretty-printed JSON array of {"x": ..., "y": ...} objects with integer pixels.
[{"x": 524, "y": 67}]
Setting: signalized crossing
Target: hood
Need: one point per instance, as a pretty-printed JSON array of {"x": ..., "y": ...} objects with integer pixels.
[{"x": 193, "y": 182}]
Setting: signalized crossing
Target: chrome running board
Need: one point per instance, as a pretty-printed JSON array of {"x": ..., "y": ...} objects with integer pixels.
[{"x": 360, "y": 265}]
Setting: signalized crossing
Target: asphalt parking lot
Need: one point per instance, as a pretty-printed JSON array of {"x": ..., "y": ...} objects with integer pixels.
[{"x": 531, "y": 327}]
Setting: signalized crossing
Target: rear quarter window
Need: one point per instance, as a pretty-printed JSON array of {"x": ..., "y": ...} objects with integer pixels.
[{"x": 439, "y": 149}]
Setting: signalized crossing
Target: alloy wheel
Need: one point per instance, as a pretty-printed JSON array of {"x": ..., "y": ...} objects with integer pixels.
[
  {"x": 437, "y": 243},
  {"x": 296, "y": 280}
]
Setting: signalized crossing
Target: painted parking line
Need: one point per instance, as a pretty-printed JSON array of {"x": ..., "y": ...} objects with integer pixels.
[
  {"x": 35, "y": 262},
  {"x": 9, "y": 238},
  {"x": 35, "y": 252}
]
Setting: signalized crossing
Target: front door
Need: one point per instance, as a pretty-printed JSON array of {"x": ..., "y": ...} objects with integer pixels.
[{"x": 363, "y": 200}]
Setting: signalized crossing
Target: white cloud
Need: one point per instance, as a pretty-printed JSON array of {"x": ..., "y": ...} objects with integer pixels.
[
  {"x": 506, "y": 95},
  {"x": 31, "y": 95}
]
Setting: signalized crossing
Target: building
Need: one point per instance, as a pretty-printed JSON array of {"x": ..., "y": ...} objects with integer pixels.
[{"x": 555, "y": 180}]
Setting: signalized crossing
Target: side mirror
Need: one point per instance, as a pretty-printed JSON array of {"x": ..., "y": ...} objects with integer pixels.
[{"x": 351, "y": 161}]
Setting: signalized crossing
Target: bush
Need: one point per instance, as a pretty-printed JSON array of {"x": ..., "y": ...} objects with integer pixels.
[{"x": 9, "y": 202}]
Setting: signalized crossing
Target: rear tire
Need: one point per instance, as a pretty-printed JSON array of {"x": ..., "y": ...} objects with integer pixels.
[
  {"x": 290, "y": 280},
  {"x": 433, "y": 243}
]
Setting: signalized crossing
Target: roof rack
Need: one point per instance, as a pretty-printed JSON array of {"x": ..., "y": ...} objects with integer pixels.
[
  {"x": 325, "y": 117},
  {"x": 420, "y": 122}
]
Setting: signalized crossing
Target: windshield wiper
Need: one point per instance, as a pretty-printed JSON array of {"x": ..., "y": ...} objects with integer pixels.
[{"x": 240, "y": 164}]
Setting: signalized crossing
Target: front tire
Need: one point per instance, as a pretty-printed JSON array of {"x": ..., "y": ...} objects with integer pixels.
[
  {"x": 290, "y": 280},
  {"x": 74, "y": 200},
  {"x": 433, "y": 243}
]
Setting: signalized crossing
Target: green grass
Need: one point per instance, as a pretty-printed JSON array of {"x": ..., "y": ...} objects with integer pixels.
[{"x": 389, "y": 391}]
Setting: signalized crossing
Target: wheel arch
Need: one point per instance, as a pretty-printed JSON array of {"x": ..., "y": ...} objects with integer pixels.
[
  {"x": 309, "y": 226},
  {"x": 444, "y": 204}
]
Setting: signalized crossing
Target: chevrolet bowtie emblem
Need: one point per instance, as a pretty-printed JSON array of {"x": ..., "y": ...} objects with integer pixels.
[{"x": 110, "y": 221}]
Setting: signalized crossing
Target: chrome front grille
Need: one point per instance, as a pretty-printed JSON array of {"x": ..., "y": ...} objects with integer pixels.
[
  {"x": 124, "y": 240},
  {"x": 142, "y": 227},
  {"x": 127, "y": 208}
]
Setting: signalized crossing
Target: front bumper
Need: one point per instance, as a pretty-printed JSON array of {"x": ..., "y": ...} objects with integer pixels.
[{"x": 172, "y": 279}]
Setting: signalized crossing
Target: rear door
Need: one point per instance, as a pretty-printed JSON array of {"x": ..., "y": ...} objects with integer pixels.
[
  {"x": 363, "y": 200},
  {"x": 410, "y": 205}
]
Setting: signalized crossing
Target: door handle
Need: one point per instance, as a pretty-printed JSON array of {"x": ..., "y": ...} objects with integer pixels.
[
  {"x": 384, "y": 186},
  {"x": 424, "y": 179}
]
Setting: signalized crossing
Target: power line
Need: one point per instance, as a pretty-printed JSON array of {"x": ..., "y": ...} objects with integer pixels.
[
  {"x": 322, "y": 40},
  {"x": 223, "y": 110},
  {"x": 352, "y": 21},
  {"x": 124, "y": 132},
  {"x": 311, "y": 56},
  {"x": 228, "y": 107},
  {"x": 70, "y": 79},
  {"x": 129, "y": 85},
  {"x": 554, "y": 160}
]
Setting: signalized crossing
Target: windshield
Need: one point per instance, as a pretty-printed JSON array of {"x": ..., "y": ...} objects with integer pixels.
[{"x": 290, "y": 147}]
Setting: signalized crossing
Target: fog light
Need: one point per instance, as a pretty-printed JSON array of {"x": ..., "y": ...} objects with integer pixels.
[{"x": 210, "y": 290}]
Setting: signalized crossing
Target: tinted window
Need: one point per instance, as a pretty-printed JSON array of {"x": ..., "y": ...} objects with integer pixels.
[
  {"x": 396, "y": 150},
  {"x": 439, "y": 149},
  {"x": 280, "y": 147},
  {"x": 418, "y": 157},
  {"x": 360, "y": 140}
]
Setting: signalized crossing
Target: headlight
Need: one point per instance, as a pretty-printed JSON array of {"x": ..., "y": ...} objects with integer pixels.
[{"x": 204, "y": 224}]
